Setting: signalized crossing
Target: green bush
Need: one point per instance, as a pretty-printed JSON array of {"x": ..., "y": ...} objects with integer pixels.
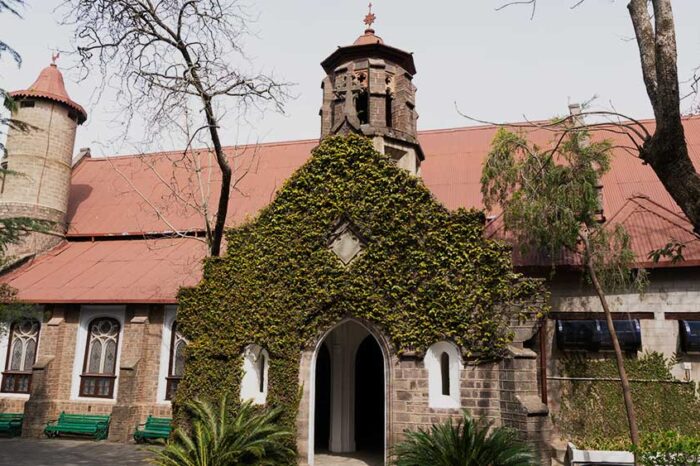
[
  {"x": 250, "y": 436},
  {"x": 593, "y": 415},
  {"x": 668, "y": 448},
  {"x": 468, "y": 443}
]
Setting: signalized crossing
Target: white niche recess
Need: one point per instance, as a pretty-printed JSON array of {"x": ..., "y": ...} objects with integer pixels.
[
  {"x": 444, "y": 364},
  {"x": 256, "y": 363}
]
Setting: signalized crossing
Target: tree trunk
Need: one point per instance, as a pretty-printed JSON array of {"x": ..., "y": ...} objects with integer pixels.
[
  {"x": 213, "y": 125},
  {"x": 225, "y": 191},
  {"x": 666, "y": 151},
  {"x": 626, "y": 390},
  {"x": 667, "y": 154}
]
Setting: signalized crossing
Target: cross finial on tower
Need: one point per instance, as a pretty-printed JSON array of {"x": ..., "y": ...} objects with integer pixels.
[
  {"x": 370, "y": 18},
  {"x": 54, "y": 57}
]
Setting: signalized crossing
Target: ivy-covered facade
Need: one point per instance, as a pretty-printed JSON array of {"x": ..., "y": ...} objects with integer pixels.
[{"x": 355, "y": 300}]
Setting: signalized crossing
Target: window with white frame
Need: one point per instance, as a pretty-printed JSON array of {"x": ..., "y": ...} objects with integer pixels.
[
  {"x": 256, "y": 363},
  {"x": 100, "y": 364},
  {"x": 176, "y": 365},
  {"x": 444, "y": 364},
  {"x": 21, "y": 355}
]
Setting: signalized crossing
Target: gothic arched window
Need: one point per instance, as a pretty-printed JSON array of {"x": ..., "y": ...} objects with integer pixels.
[
  {"x": 100, "y": 366},
  {"x": 256, "y": 364},
  {"x": 176, "y": 366},
  {"x": 442, "y": 360},
  {"x": 21, "y": 355}
]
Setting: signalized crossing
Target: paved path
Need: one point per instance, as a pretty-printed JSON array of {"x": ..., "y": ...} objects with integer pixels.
[
  {"x": 30, "y": 452},
  {"x": 351, "y": 460}
]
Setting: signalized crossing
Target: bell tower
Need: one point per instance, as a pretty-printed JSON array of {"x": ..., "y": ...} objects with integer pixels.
[
  {"x": 368, "y": 89},
  {"x": 39, "y": 158}
]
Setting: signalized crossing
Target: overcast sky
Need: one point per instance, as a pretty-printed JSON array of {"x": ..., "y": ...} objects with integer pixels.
[{"x": 494, "y": 65}]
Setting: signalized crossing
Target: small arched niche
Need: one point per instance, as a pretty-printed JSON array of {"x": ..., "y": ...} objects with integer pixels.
[
  {"x": 444, "y": 365},
  {"x": 256, "y": 363}
]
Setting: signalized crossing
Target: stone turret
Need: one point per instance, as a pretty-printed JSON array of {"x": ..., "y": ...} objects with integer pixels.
[
  {"x": 40, "y": 157},
  {"x": 368, "y": 89}
]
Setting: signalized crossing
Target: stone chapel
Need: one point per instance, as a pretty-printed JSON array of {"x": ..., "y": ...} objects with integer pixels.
[{"x": 363, "y": 287}]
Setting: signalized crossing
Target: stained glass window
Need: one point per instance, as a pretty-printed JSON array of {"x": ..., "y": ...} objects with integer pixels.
[
  {"x": 99, "y": 371},
  {"x": 21, "y": 355}
]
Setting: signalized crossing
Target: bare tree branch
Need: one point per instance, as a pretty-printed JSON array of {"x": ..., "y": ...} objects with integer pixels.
[{"x": 168, "y": 57}]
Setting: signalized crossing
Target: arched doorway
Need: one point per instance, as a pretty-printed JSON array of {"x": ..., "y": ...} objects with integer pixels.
[{"x": 349, "y": 397}]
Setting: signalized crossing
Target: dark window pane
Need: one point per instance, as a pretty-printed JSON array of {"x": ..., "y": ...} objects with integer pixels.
[
  {"x": 110, "y": 357},
  {"x": 179, "y": 363},
  {"x": 16, "y": 355},
  {"x": 261, "y": 373},
  {"x": 95, "y": 357},
  {"x": 445, "y": 373},
  {"x": 29, "y": 356}
]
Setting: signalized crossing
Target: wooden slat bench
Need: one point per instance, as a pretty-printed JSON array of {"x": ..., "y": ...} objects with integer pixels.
[
  {"x": 93, "y": 425},
  {"x": 11, "y": 423},
  {"x": 153, "y": 428}
]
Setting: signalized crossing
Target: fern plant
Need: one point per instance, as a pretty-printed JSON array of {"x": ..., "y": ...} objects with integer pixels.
[
  {"x": 251, "y": 436},
  {"x": 466, "y": 443}
]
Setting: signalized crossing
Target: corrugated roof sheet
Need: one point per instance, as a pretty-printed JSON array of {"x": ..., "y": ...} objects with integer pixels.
[
  {"x": 150, "y": 193},
  {"x": 116, "y": 271}
]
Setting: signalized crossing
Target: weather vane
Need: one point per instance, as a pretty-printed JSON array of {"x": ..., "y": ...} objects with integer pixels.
[
  {"x": 54, "y": 57},
  {"x": 370, "y": 18}
]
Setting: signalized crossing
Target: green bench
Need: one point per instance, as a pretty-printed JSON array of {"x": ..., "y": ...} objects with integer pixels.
[
  {"x": 153, "y": 428},
  {"x": 93, "y": 425},
  {"x": 11, "y": 423}
]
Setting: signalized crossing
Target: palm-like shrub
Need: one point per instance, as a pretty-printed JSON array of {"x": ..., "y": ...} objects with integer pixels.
[
  {"x": 466, "y": 443},
  {"x": 251, "y": 436}
]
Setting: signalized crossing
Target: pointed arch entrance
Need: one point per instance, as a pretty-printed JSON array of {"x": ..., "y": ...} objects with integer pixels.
[{"x": 348, "y": 387}]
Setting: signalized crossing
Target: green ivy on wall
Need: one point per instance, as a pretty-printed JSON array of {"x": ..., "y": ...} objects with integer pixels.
[
  {"x": 592, "y": 412},
  {"x": 426, "y": 274}
]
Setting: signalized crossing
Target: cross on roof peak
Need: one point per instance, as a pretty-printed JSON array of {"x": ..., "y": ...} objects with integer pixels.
[{"x": 370, "y": 18}]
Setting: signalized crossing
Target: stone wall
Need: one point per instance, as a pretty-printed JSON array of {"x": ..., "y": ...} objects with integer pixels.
[{"x": 505, "y": 392}]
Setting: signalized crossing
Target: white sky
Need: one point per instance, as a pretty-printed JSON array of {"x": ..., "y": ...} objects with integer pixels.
[{"x": 497, "y": 66}]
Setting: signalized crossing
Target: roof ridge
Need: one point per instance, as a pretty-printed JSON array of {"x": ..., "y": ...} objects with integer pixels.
[
  {"x": 195, "y": 149},
  {"x": 621, "y": 210},
  {"x": 672, "y": 217}
]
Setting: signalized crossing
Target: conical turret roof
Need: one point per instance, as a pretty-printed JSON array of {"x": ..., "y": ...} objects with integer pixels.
[{"x": 50, "y": 85}]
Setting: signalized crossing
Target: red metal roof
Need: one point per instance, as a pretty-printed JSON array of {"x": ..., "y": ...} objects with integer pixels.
[
  {"x": 651, "y": 226},
  {"x": 158, "y": 192},
  {"x": 49, "y": 85},
  {"x": 117, "y": 271},
  {"x": 145, "y": 194},
  {"x": 136, "y": 195}
]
